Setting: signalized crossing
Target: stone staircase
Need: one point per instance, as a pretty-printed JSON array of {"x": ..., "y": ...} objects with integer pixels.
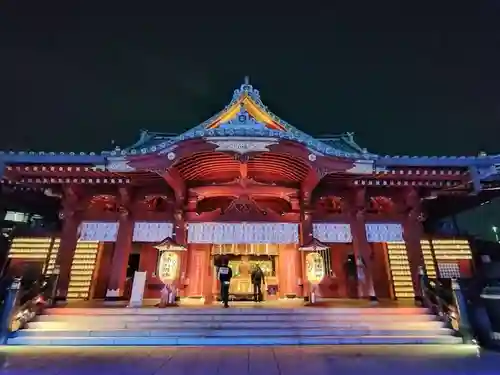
[{"x": 234, "y": 326}]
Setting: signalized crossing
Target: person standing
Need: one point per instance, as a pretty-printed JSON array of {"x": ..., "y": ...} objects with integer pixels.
[
  {"x": 224, "y": 275},
  {"x": 257, "y": 281}
]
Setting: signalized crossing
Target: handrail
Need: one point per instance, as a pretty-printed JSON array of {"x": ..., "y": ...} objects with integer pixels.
[
  {"x": 20, "y": 307},
  {"x": 450, "y": 306}
]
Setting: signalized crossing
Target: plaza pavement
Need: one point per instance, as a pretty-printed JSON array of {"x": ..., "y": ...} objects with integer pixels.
[{"x": 338, "y": 360}]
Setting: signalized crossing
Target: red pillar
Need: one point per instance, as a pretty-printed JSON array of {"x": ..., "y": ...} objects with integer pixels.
[
  {"x": 119, "y": 263},
  {"x": 412, "y": 233},
  {"x": 181, "y": 239},
  {"x": 355, "y": 205},
  {"x": 289, "y": 271},
  {"x": 67, "y": 246},
  {"x": 208, "y": 277},
  {"x": 306, "y": 236},
  {"x": 362, "y": 249},
  {"x": 409, "y": 203}
]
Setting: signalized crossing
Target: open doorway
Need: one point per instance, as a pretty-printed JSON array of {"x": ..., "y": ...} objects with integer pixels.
[
  {"x": 133, "y": 264},
  {"x": 132, "y": 267}
]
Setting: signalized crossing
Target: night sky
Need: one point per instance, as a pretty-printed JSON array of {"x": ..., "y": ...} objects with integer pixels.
[{"x": 407, "y": 79}]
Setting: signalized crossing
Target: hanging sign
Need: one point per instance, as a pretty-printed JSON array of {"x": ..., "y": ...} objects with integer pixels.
[
  {"x": 243, "y": 233},
  {"x": 384, "y": 232},
  {"x": 146, "y": 231},
  {"x": 98, "y": 231},
  {"x": 332, "y": 232}
]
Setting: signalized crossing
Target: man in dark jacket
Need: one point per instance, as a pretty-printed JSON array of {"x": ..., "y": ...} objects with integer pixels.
[
  {"x": 257, "y": 281},
  {"x": 225, "y": 274}
]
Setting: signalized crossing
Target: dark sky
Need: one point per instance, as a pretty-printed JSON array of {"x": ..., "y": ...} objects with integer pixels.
[
  {"x": 420, "y": 78},
  {"x": 406, "y": 79}
]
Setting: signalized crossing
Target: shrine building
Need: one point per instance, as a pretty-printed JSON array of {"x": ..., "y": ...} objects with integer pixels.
[{"x": 247, "y": 185}]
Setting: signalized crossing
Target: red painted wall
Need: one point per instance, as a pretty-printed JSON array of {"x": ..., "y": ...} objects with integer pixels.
[
  {"x": 148, "y": 263},
  {"x": 199, "y": 283},
  {"x": 335, "y": 286},
  {"x": 466, "y": 268}
]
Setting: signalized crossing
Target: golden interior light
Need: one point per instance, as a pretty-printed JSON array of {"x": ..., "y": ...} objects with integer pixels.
[
  {"x": 451, "y": 249},
  {"x": 430, "y": 266},
  {"x": 43, "y": 249},
  {"x": 400, "y": 270},
  {"x": 82, "y": 269}
]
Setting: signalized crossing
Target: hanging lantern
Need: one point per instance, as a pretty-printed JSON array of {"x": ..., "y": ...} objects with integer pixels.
[
  {"x": 318, "y": 263},
  {"x": 168, "y": 262}
]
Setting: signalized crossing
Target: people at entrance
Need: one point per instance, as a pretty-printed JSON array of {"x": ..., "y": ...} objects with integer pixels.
[
  {"x": 257, "y": 281},
  {"x": 351, "y": 277},
  {"x": 361, "y": 275},
  {"x": 225, "y": 274},
  {"x": 358, "y": 283}
]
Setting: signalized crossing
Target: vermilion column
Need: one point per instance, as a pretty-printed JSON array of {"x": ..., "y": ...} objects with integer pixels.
[
  {"x": 362, "y": 249},
  {"x": 289, "y": 270},
  {"x": 180, "y": 238},
  {"x": 208, "y": 277},
  {"x": 67, "y": 246},
  {"x": 119, "y": 263},
  {"x": 306, "y": 236},
  {"x": 412, "y": 233}
]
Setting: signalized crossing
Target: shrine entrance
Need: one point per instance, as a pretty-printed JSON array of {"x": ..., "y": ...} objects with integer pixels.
[{"x": 243, "y": 259}]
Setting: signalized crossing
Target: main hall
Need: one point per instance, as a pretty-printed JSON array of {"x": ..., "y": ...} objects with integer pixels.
[{"x": 317, "y": 214}]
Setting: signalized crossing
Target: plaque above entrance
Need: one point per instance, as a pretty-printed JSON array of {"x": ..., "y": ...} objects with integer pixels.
[
  {"x": 242, "y": 145},
  {"x": 243, "y": 233}
]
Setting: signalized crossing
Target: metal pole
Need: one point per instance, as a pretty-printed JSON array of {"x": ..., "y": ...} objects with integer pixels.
[
  {"x": 9, "y": 307},
  {"x": 463, "y": 317}
]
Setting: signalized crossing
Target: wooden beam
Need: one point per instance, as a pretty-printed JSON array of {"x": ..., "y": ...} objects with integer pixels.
[{"x": 174, "y": 179}]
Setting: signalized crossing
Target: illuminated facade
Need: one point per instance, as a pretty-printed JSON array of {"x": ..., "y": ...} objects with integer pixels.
[{"x": 247, "y": 185}]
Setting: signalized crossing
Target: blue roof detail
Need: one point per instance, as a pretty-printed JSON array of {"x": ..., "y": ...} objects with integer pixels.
[
  {"x": 438, "y": 161},
  {"x": 51, "y": 158}
]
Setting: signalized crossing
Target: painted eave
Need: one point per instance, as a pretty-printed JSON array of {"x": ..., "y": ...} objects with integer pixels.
[
  {"x": 438, "y": 161},
  {"x": 51, "y": 158}
]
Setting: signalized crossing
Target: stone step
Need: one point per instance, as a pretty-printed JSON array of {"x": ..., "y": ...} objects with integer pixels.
[
  {"x": 235, "y": 326},
  {"x": 232, "y": 341},
  {"x": 97, "y": 324},
  {"x": 228, "y": 332},
  {"x": 256, "y": 310},
  {"x": 239, "y": 317}
]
